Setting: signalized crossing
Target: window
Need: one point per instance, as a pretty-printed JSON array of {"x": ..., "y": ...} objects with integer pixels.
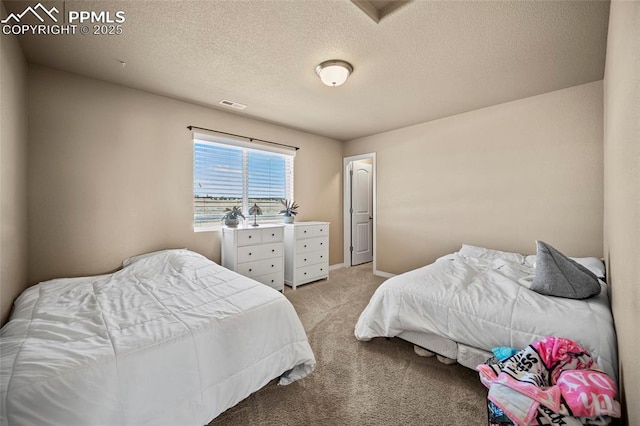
[{"x": 229, "y": 172}]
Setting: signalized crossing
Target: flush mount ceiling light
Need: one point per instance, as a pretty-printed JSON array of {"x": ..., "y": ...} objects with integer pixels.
[{"x": 334, "y": 72}]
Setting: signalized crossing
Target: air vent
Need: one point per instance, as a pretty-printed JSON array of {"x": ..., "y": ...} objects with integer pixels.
[{"x": 232, "y": 104}]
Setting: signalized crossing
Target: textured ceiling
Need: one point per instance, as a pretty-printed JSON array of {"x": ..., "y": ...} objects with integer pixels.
[{"x": 425, "y": 60}]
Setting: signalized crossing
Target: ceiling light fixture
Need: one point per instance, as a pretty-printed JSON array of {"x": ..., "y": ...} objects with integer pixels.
[{"x": 334, "y": 72}]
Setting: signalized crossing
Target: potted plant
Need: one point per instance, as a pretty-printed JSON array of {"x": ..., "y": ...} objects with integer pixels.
[
  {"x": 255, "y": 210},
  {"x": 230, "y": 217},
  {"x": 289, "y": 211}
]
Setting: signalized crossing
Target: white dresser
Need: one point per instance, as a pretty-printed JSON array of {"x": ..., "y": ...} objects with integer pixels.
[
  {"x": 255, "y": 252},
  {"x": 306, "y": 252}
]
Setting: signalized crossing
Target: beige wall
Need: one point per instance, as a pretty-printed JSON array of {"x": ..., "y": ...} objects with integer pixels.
[
  {"x": 499, "y": 177},
  {"x": 13, "y": 173},
  {"x": 111, "y": 174},
  {"x": 622, "y": 192}
]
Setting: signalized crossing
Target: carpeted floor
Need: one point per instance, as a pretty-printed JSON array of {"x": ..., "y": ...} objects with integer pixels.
[{"x": 381, "y": 382}]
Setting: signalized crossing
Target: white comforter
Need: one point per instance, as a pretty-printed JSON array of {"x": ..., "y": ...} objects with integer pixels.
[
  {"x": 477, "y": 301},
  {"x": 172, "y": 338}
]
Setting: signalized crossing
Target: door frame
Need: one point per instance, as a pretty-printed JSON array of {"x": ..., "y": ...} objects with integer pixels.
[{"x": 347, "y": 201}]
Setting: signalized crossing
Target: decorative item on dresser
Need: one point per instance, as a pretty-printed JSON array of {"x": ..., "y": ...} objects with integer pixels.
[
  {"x": 289, "y": 211},
  {"x": 255, "y": 211},
  {"x": 306, "y": 248},
  {"x": 231, "y": 215},
  {"x": 255, "y": 253}
]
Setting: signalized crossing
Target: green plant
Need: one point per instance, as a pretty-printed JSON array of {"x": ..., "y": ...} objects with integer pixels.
[
  {"x": 232, "y": 213},
  {"x": 290, "y": 207}
]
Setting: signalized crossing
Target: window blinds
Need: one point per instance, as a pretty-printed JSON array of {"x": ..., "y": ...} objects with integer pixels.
[{"x": 229, "y": 175}]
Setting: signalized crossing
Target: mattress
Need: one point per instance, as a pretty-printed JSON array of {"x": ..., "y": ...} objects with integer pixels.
[
  {"x": 172, "y": 338},
  {"x": 473, "y": 299}
]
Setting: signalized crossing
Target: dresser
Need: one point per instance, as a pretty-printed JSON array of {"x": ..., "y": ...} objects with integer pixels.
[
  {"x": 306, "y": 252},
  {"x": 255, "y": 252}
]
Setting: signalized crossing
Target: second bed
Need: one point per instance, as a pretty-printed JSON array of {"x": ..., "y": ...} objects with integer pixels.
[{"x": 471, "y": 301}]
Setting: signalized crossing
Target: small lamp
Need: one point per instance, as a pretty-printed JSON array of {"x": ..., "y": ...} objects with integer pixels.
[
  {"x": 255, "y": 210},
  {"x": 334, "y": 72}
]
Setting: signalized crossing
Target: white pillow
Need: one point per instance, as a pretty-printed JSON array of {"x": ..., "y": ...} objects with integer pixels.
[
  {"x": 490, "y": 254},
  {"x": 593, "y": 264}
]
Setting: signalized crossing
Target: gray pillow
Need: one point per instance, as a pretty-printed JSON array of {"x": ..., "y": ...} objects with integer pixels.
[{"x": 557, "y": 275}]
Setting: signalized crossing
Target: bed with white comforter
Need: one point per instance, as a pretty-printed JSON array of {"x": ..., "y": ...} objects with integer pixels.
[
  {"x": 477, "y": 299},
  {"x": 172, "y": 338}
]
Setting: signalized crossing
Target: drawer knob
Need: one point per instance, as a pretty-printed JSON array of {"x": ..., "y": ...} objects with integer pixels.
[
  {"x": 305, "y": 246},
  {"x": 305, "y": 260},
  {"x": 249, "y": 254},
  {"x": 320, "y": 229},
  {"x": 273, "y": 235},
  {"x": 250, "y": 269},
  {"x": 273, "y": 266},
  {"x": 305, "y": 232},
  {"x": 250, "y": 237},
  {"x": 273, "y": 250},
  {"x": 305, "y": 273},
  {"x": 321, "y": 256},
  {"x": 272, "y": 281},
  {"x": 321, "y": 269}
]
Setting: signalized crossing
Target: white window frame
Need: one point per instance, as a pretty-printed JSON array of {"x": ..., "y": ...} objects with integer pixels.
[{"x": 214, "y": 138}]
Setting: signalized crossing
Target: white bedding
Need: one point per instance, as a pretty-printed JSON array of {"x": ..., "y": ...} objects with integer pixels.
[
  {"x": 172, "y": 338},
  {"x": 473, "y": 297}
]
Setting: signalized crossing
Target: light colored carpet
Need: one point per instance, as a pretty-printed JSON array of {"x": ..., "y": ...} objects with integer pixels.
[{"x": 381, "y": 382}]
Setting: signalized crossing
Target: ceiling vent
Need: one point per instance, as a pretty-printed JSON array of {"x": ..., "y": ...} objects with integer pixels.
[{"x": 232, "y": 104}]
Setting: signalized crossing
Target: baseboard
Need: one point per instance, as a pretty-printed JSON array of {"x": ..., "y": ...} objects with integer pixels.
[
  {"x": 336, "y": 266},
  {"x": 383, "y": 274}
]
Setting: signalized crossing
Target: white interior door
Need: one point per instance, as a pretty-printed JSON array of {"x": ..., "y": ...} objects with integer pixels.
[{"x": 361, "y": 213}]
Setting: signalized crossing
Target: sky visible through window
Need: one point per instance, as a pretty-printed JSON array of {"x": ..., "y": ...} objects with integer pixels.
[{"x": 223, "y": 173}]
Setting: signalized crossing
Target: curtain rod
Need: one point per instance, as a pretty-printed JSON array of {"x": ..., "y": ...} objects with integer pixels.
[{"x": 245, "y": 137}]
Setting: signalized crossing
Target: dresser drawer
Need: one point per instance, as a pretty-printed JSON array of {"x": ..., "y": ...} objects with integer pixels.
[
  {"x": 264, "y": 251},
  {"x": 249, "y": 236},
  {"x": 272, "y": 235},
  {"x": 312, "y": 231},
  {"x": 312, "y": 244},
  {"x": 260, "y": 267},
  {"x": 311, "y": 258},
  {"x": 275, "y": 280},
  {"x": 320, "y": 231},
  {"x": 311, "y": 272}
]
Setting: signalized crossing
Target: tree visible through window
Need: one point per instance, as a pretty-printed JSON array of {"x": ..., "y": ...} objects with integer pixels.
[{"x": 226, "y": 175}]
